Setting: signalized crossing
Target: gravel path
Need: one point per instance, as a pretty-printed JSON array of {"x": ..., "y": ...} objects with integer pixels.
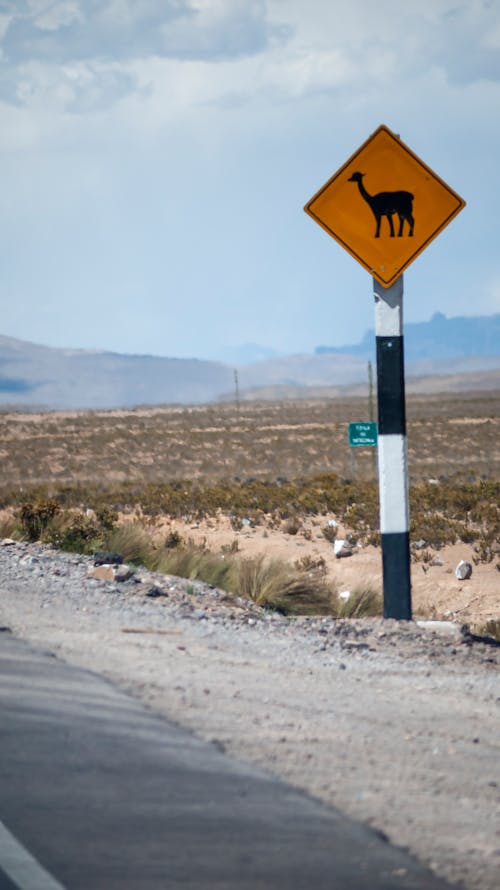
[{"x": 394, "y": 724}]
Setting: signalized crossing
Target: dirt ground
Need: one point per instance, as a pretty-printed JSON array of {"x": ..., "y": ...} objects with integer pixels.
[
  {"x": 436, "y": 592},
  {"x": 394, "y": 724}
]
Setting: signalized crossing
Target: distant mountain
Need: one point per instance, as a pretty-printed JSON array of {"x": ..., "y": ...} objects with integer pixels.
[
  {"x": 439, "y": 338},
  {"x": 33, "y": 375}
]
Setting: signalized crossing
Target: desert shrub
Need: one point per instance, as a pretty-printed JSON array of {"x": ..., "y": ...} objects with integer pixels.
[
  {"x": 292, "y": 526},
  {"x": 36, "y": 515},
  {"x": 486, "y": 546},
  {"x": 311, "y": 564},
  {"x": 74, "y": 532},
  {"x": 363, "y": 516},
  {"x": 329, "y": 532},
  {"x": 173, "y": 540},
  {"x": 435, "y": 529},
  {"x": 106, "y": 516},
  {"x": 71, "y": 530}
]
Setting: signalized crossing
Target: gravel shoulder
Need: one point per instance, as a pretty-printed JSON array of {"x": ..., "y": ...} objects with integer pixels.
[{"x": 394, "y": 724}]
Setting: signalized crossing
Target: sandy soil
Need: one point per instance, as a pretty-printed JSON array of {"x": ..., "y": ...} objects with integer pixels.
[
  {"x": 396, "y": 725},
  {"x": 436, "y": 592}
]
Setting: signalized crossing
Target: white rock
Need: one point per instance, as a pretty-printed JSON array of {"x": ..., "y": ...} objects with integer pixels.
[
  {"x": 344, "y": 595},
  {"x": 463, "y": 570},
  {"x": 342, "y": 548},
  {"x": 445, "y": 628}
]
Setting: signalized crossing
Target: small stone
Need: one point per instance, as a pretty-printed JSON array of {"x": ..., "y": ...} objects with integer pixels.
[
  {"x": 419, "y": 545},
  {"x": 155, "y": 591},
  {"x": 123, "y": 573},
  {"x": 354, "y": 644},
  {"x": 107, "y": 557},
  {"x": 443, "y": 628},
  {"x": 463, "y": 570},
  {"x": 118, "y": 573},
  {"x": 8, "y": 542},
  {"x": 101, "y": 573}
]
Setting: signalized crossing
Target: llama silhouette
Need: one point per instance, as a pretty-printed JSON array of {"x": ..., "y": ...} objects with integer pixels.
[{"x": 387, "y": 204}]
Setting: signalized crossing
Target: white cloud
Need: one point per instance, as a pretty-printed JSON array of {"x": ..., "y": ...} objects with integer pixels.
[
  {"x": 56, "y": 15},
  {"x": 88, "y": 54},
  {"x": 220, "y": 29},
  {"x": 126, "y": 29},
  {"x": 79, "y": 86}
]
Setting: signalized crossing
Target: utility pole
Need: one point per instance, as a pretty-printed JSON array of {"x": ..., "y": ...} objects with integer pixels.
[
  {"x": 371, "y": 413},
  {"x": 236, "y": 391},
  {"x": 371, "y": 404}
]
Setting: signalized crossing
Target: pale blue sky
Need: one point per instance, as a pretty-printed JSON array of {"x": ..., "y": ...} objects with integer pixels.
[{"x": 156, "y": 156}]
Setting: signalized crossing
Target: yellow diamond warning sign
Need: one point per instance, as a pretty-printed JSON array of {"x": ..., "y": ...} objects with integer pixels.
[{"x": 384, "y": 206}]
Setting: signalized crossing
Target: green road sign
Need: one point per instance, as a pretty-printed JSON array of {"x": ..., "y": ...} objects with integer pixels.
[{"x": 362, "y": 434}]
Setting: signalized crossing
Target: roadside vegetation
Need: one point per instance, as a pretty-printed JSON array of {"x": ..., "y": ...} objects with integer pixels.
[
  {"x": 84, "y": 481},
  {"x": 62, "y": 521},
  {"x": 441, "y": 513},
  {"x": 125, "y": 519}
]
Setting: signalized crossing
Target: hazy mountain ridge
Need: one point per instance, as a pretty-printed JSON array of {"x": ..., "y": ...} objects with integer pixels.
[
  {"x": 441, "y": 337},
  {"x": 33, "y": 376}
]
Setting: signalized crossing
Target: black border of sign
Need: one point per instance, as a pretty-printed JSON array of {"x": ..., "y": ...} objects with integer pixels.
[{"x": 387, "y": 282}]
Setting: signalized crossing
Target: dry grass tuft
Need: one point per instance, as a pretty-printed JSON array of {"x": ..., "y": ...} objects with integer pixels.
[
  {"x": 490, "y": 629},
  {"x": 363, "y": 602},
  {"x": 275, "y": 584},
  {"x": 133, "y": 542}
]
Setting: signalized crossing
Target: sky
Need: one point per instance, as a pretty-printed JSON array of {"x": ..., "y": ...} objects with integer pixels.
[{"x": 156, "y": 156}]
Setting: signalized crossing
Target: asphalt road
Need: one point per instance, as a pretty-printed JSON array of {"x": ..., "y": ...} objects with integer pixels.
[{"x": 98, "y": 793}]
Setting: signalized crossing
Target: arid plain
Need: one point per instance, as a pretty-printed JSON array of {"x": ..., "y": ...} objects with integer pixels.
[{"x": 125, "y": 455}]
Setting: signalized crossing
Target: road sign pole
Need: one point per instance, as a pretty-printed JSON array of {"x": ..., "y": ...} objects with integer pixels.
[
  {"x": 384, "y": 184},
  {"x": 392, "y": 463}
]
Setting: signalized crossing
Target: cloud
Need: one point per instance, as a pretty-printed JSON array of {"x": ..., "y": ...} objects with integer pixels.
[
  {"x": 468, "y": 42},
  {"x": 80, "y": 86},
  {"x": 79, "y": 55},
  {"x": 391, "y": 39},
  {"x": 84, "y": 55},
  {"x": 75, "y": 30}
]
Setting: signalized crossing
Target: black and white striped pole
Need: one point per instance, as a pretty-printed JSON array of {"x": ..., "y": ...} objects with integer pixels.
[{"x": 392, "y": 452}]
